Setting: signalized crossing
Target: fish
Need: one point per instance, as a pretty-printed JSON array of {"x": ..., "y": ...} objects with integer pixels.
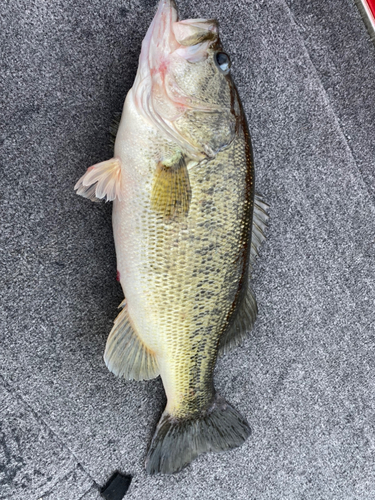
[{"x": 187, "y": 227}]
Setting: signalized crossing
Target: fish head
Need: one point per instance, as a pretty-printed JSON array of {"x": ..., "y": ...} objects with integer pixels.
[{"x": 183, "y": 85}]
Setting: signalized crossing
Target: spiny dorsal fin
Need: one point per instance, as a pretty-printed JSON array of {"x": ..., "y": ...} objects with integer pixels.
[
  {"x": 260, "y": 219},
  {"x": 244, "y": 320},
  {"x": 125, "y": 354},
  {"x": 101, "y": 181},
  {"x": 171, "y": 192}
]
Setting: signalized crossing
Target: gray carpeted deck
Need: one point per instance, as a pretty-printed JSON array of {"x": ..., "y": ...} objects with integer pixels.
[{"x": 305, "y": 378}]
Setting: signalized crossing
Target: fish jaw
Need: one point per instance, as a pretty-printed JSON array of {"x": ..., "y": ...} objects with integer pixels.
[
  {"x": 157, "y": 46},
  {"x": 150, "y": 86},
  {"x": 168, "y": 47}
]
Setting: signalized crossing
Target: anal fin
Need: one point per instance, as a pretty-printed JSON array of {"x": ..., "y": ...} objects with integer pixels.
[
  {"x": 125, "y": 354},
  {"x": 101, "y": 181}
]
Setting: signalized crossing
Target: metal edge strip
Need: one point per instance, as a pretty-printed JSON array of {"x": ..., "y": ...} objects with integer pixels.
[{"x": 368, "y": 17}]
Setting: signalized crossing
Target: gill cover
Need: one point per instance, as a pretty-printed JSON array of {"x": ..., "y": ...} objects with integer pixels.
[{"x": 179, "y": 88}]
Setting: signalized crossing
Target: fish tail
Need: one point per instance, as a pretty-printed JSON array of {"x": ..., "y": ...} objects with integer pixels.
[{"x": 177, "y": 441}]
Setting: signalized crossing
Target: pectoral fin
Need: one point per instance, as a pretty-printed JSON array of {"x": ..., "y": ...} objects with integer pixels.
[
  {"x": 101, "y": 181},
  {"x": 125, "y": 354},
  {"x": 171, "y": 192}
]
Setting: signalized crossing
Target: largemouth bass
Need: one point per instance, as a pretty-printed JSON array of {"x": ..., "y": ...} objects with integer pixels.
[{"x": 187, "y": 227}]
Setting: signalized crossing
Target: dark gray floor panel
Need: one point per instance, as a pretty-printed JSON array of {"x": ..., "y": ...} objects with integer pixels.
[
  {"x": 305, "y": 377},
  {"x": 33, "y": 460},
  {"x": 74, "y": 486},
  {"x": 343, "y": 56},
  {"x": 92, "y": 494}
]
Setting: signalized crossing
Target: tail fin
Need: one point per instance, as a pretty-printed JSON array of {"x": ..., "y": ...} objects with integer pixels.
[{"x": 177, "y": 442}]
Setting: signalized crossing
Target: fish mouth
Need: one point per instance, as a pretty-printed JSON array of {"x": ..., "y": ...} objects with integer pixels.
[
  {"x": 156, "y": 95},
  {"x": 159, "y": 41},
  {"x": 166, "y": 34}
]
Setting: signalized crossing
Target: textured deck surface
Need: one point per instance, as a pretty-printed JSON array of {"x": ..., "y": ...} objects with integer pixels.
[{"x": 305, "y": 378}]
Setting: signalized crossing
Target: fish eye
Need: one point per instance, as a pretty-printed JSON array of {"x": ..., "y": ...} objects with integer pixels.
[{"x": 222, "y": 62}]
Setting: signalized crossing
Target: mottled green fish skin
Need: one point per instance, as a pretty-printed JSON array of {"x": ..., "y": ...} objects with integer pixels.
[{"x": 189, "y": 274}]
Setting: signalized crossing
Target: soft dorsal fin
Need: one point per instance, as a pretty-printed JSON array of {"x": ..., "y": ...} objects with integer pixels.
[
  {"x": 101, "y": 181},
  {"x": 244, "y": 320},
  {"x": 247, "y": 309},
  {"x": 260, "y": 219},
  {"x": 125, "y": 354}
]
